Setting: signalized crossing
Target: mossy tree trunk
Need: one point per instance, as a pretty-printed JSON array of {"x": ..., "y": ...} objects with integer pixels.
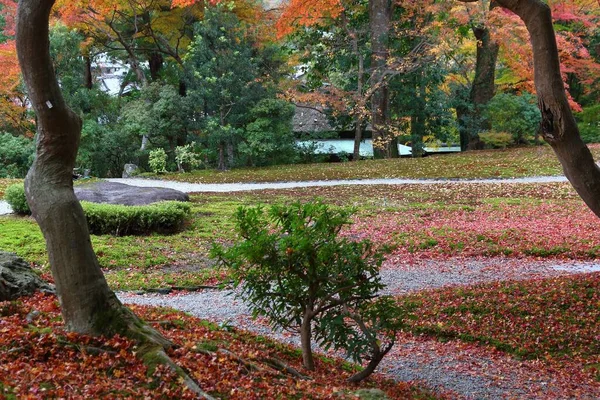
[{"x": 88, "y": 305}]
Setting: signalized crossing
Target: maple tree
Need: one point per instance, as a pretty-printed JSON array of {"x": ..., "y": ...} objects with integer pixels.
[
  {"x": 87, "y": 304},
  {"x": 13, "y": 100}
]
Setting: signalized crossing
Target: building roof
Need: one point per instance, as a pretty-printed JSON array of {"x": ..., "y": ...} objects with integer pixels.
[{"x": 309, "y": 119}]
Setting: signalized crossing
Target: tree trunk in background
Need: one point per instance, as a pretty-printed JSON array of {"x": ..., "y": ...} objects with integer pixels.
[
  {"x": 88, "y": 78},
  {"x": 380, "y": 13},
  {"x": 483, "y": 88},
  {"x": 155, "y": 62},
  {"x": 358, "y": 131},
  {"x": 417, "y": 120},
  {"x": 462, "y": 116},
  {"x": 559, "y": 128}
]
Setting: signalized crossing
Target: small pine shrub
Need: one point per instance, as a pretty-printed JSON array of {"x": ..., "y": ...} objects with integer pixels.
[
  {"x": 121, "y": 220},
  {"x": 296, "y": 269},
  {"x": 14, "y": 195},
  {"x": 496, "y": 140}
]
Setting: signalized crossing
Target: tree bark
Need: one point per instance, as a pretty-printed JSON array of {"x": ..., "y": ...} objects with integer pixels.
[
  {"x": 417, "y": 119},
  {"x": 88, "y": 78},
  {"x": 559, "y": 128},
  {"x": 305, "y": 341},
  {"x": 483, "y": 88},
  {"x": 88, "y": 305},
  {"x": 358, "y": 130},
  {"x": 380, "y": 13},
  {"x": 155, "y": 62}
]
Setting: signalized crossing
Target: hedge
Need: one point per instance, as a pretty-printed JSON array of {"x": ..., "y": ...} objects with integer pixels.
[{"x": 114, "y": 219}]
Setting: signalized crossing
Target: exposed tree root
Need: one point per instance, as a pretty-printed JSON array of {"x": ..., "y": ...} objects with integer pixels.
[
  {"x": 151, "y": 345},
  {"x": 273, "y": 363},
  {"x": 153, "y": 355},
  {"x": 283, "y": 367},
  {"x": 250, "y": 366}
]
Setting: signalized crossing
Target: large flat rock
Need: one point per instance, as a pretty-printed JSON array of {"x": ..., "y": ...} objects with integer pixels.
[{"x": 119, "y": 193}]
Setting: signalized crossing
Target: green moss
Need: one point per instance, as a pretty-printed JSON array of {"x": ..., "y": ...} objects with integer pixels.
[
  {"x": 208, "y": 345},
  {"x": 6, "y": 392}
]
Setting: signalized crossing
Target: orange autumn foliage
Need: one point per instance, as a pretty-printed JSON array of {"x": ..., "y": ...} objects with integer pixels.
[{"x": 299, "y": 13}]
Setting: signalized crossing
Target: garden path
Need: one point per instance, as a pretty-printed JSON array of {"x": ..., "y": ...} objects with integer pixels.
[
  {"x": 238, "y": 187},
  {"x": 464, "y": 370}
]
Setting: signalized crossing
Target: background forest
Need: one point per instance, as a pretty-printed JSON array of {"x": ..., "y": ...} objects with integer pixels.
[{"x": 203, "y": 85}]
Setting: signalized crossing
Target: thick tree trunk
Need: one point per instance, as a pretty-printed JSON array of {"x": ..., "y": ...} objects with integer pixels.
[
  {"x": 471, "y": 120},
  {"x": 559, "y": 128},
  {"x": 81, "y": 287},
  {"x": 87, "y": 304},
  {"x": 380, "y": 13},
  {"x": 484, "y": 88}
]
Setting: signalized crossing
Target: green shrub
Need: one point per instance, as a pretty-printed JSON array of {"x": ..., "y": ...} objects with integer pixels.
[
  {"x": 115, "y": 219},
  {"x": 496, "y": 140},
  {"x": 158, "y": 161},
  {"x": 518, "y": 115},
  {"x": 297, "y": 270},
  {"x": 15, "y": 197},
  {"x": 130, "y": 220},
  {"x": 16, "y": 155},
  {"x": 185, "y": 157},
  {"x": 589, "y": 124}
]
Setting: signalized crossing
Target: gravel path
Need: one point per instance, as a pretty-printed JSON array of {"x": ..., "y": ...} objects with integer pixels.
[
  {"x": 467, "y": 370},
  {"x": 238, "y": 187}
]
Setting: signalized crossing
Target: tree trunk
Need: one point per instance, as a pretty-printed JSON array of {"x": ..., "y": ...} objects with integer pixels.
[
  {"x": 221, "y": 163},
  {"x": 376, "y": 358},
  {"x": 155, "y": 62},
  {"x": 484, "y": 88},
  {"x": 88, "y": 305},
  {"x": 357, "y": 139},
  {"x": 380, "y": 12},
  {"x": 305, "y": 341},
  {"x": 359, "y": 91},
  {"x": 417, "y": 119},
  {"x": 559, "y": 128},
  {"x": 88, "y": 79}
]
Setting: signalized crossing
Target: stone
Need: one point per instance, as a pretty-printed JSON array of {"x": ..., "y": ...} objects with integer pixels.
[
  {"x": 18, "y": 279},
  {"x": 130, "y": 170},
  {"x": 119, "y": 193}
]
